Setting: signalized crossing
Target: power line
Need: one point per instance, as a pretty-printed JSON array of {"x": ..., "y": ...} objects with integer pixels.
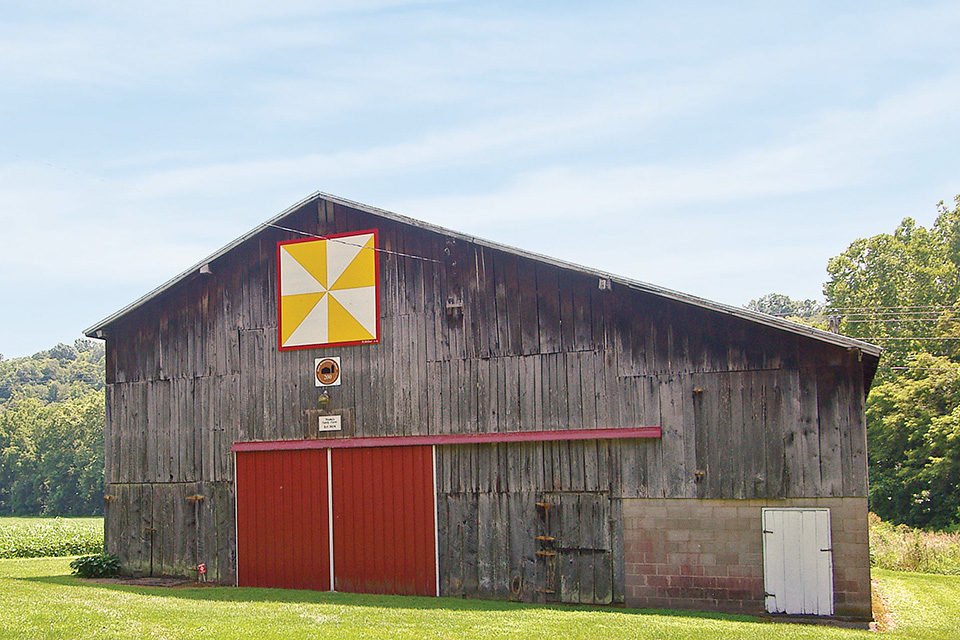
[
  {"x": 901, "y": 368},
  {"x": 871, "y": 338},
  {"x": 377, "y": 249}
]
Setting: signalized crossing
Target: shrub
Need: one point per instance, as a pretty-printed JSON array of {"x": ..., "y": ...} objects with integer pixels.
[
  {"x": 902, "y": 548},
  {"x": 100, "y": 565}
]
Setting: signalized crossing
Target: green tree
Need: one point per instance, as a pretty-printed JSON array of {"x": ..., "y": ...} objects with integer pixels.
[
  {"x": 56, "y": 375},
  {"x": 808, "y": 312},
  {"x": 51, "y": 457},
  {"x": 900, "y": 291}
]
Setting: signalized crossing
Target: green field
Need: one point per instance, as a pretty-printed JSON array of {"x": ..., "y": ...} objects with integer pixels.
[
  {"x": 39, "y": 599},
  {"x": 43, "y": 537}
]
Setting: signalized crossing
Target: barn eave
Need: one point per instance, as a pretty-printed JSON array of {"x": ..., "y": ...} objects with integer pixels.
[{"x": 202, "y": 268}]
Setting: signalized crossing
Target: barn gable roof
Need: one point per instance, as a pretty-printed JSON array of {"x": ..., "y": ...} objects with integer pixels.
[{"x": 97, "y": 330}]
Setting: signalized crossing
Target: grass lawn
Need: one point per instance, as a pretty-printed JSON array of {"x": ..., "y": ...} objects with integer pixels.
[
  {"x": 924, "y": 605},
  {"x": 39, "y": 599}
]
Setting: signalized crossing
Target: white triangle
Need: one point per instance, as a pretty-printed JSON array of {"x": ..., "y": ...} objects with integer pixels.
[
  {"x": 314, "y": 329},
  {"x": 294, "y": 279},
  {"x": 341, "y": 252},
  {"x": 361, "y": 303}
]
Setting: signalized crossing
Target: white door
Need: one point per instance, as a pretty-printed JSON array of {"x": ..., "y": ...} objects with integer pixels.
[{"x": 798, "y": 561}]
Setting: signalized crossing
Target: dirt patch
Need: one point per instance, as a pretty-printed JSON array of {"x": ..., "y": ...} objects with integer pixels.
[
  {"x": 882, "y": 613},
  {"x": 168, "y": 582}
]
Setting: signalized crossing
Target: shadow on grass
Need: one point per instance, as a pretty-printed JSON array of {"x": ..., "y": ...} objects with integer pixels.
[{"x": 420, "y": 603}]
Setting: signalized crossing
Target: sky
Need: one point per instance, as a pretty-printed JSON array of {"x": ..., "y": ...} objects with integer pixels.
[{"x": 722, "y": 149}]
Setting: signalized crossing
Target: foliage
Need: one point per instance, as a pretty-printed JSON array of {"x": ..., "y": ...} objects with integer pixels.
[
  {"x": 902, "y": 548},
  {"x": 809, "y": 312},
  {"x": 51, "y": 456},
  {"x": 35, "y": 538},
  {"x": 777, "y": 304},
  {"x": 98, "y": 565},
  {"x": 901, "y": 291},
  {"x": 56, "y": 375}
]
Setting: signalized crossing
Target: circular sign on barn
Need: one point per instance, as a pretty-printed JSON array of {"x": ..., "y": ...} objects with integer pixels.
[{"x": 327, "y": 371}]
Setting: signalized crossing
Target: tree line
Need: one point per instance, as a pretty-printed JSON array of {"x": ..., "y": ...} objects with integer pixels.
[{"x": 51, "y": 432}]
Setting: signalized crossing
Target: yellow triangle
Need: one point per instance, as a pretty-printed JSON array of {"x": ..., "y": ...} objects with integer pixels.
[
  {"x": 312, "y": 256},
  {"x": 343, "y": 326},
  {"x": 293, "y": 310},
  {"x": 361, "y": 272}
]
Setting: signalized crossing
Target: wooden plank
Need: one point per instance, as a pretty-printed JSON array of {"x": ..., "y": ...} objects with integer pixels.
[
  {"x": 418, "y": 370},
  {"x": 773, "y": 436},
  {"x": 575, "y": 457},
  {"x": 855, "y": 476},
  {"x": 471, "y": 545},
  {"x": 529, "y": 310},
  {"x": 653, "y": 480},
  {"x": 487, "y": 326},
  {"x": 528, "y": 366},
  {"x": 588, "y": 389},
  {"x": 507, "y": 296},
  {"x": 674, "y": 441},
  {"x": 753, "y": 443},
  {"x": 433, "y": 305},
  {"x": 792, "y": 425},
  {"x": 403, "y": 390},
  {"x": 828, "y": 414},
  {"x": 486, "y": 396},
  {"x": 569, "y": 544},
  {"x": 521, "y": 516},
  {"x": 736, "y": 476},
  {"x": 498, "y": 542},
  {"x": 550, "y": 393},
  {"x": 472, "y": 303},
  {"x": 581, "y": 291},
  {"x": 573, "y": 398},
  {"x": 147, "y": 528},
  {"x": 704, "y": 412},
  {"x": 190, "y": 464},
  {"x": 451, "y": 582},
  {"x": 565, "y": 284},
  {"x": 110, "y": 451},
  {"x": 604, "y": 370},
  {"x": 810, "y": 436},
  {"x": 511, "y": 394}
]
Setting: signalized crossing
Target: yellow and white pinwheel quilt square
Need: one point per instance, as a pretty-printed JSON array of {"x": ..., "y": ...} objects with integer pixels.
[{"x": 328, "y": 291}]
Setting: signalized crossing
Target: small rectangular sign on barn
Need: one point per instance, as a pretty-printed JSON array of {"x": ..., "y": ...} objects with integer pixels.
[{"x": 329, "y": 423}]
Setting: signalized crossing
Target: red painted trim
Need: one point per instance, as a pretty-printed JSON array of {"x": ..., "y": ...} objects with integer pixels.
[
  {"x": 450, "y": 439},
  {"x": 376, "y": 268}
]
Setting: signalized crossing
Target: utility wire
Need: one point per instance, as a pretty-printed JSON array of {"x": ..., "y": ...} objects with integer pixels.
[{"x": 328, "y": 239}]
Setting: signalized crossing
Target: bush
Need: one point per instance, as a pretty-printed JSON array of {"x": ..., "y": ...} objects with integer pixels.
[
  {"x": 100, "y": 565},
  {"x": 903, "y": 548}
]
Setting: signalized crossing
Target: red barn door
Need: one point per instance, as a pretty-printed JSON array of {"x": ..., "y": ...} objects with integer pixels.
[
  {"x": 283, "y": 532},
  {"x": 384, "y": 520},
  {"x": 383, "y": 503}
]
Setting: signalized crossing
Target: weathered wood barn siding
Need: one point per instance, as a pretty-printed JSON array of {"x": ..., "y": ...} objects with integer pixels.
[{"x": 747, "y": 410}]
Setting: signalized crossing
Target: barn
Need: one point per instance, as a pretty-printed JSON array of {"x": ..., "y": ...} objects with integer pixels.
[{"x": 349, "y": 399}]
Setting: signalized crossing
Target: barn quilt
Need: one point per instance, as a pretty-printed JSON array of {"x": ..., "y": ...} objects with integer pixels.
[{"x": 328, "y": 290}]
